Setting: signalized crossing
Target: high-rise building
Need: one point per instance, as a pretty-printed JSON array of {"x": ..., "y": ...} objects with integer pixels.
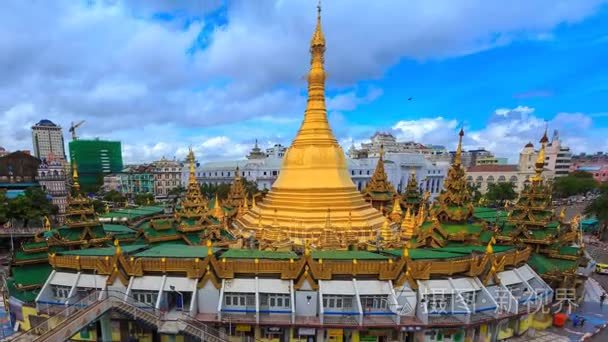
[
  {"x": 558, "y": 158},
  {"x": 95, "y": 159},
  {"x": 47, "y": 138}
]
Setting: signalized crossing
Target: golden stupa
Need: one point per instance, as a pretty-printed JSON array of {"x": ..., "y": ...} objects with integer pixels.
[{"x": 314, "y": 177}]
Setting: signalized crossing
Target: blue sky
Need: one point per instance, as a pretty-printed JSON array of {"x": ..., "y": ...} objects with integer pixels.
[{"x": 216, "y": 75}]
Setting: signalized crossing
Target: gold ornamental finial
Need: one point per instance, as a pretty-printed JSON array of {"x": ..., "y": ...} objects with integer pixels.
[
  {"x": 540, "y": 159},
  {"x": 192, "y": 174},
  {"x": 218, "y": 212},
  {"x": 489, "y": 248},
  {"x": 118, "y": 249},
  {"x": 458, "y": 155},
  {"x": 47, "y": 223},
  {"x": 315, "y": 127},
  {"x": 75, "y": 183}
]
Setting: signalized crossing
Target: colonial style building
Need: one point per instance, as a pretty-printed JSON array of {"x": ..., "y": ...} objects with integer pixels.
[
  {"x": 390, "y": 145},
  {"x": 517, "y": 174},
  {"x": 167, "y": 176}
]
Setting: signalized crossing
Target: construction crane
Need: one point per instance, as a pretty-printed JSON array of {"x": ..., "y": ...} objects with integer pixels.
[{"x": 73, "y": 129}]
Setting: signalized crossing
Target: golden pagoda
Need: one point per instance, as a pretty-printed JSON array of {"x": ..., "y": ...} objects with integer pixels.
[
  {"x": 379, "y": 191},
  {"x": 193, "y": 205},
  {"x": 396, "y": 212},
  {"x": 412, "y": 197},
  {"x": 314, "y": 176},
  {"x": 533, "y": 208},
  {"x": 454, "y": 203},
  {"x": 409, "y": 225},
  {"x": 237, "y": 193},
  {"x": 82, "y": 223}
]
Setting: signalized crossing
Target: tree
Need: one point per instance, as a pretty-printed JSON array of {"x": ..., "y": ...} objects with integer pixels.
[
  {"x": 575, "y": 183},
  {"x": 144, "y": 199},
  {"x": 177, "y": 191},
  {"x": 99, "y": 206},
  {"x": 499, "y": 193},
  {"x": 33, "y": 205},
  {"x": 475, "y": 193},
  {"x": 3, "y": 207},
  {"x": 599, "y": 208},
  {"x": 114, "y": 197}
]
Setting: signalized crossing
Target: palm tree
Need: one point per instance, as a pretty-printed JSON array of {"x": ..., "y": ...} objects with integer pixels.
[{"x": 599, "y": 208}]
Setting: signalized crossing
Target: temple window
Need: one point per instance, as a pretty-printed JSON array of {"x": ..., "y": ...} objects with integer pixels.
[{"x": 369, "y": 303}]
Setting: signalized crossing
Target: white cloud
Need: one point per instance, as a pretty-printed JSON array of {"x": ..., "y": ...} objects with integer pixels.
[
  {"x": 146, "y": 80},
  {"x": 507, "y": 131},
  {"x": 424, "y": 129}
]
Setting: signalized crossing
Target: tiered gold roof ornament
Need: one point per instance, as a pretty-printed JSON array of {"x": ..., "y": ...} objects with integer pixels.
[{"x": 454, "y": 204}]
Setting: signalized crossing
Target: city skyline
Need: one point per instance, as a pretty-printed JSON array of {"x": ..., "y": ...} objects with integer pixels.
[{"x": 218, "y": 77}]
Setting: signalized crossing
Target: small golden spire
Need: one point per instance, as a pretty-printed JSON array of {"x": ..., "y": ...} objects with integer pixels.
[
  {"x": 218, "y": 212},
  {"x": 458, "y": 155},
  {"x": 192, "y": 175},
  {"x": 209, "y": 247},
  {"x": 253, "y": 202},
  {"x": 75, "y": 183},
  {"x": 118, "y": 249},
  {"x": 406, "y": 251},
  {"x": 540, "y": 159},
  {"x": 47, "y": 223}
]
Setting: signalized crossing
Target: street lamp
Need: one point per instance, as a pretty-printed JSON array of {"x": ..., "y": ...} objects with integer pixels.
[{"x": 181, "y": 296}]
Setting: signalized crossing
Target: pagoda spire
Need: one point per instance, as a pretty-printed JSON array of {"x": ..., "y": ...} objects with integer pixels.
[
  {"x": 75, "y": 183},
  {"x": 458, "y": 155},
  {"x": 193, "y": 204},
  {"x": 315, "y": 127},
  {"x": 539, "y": 165},
  {"x": 237, "y": 193},
  {"x": 454, "y": 203},
  {"x": 379, "y": 191}
]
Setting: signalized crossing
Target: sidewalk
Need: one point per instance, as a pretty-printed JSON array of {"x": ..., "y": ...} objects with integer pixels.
[{"x": 596, "y": 318}]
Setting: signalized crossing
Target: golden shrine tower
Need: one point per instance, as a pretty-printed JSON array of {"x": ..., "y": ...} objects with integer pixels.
[{"x": 314, "y": 176}]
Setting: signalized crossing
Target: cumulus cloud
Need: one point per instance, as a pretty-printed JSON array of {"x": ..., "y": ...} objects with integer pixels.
[
  {"x": 507, "y": 131},
  {"x": 145, "y": 72}
]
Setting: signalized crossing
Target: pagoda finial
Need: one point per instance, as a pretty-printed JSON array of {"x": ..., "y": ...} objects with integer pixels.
[
  {"x": 192, "y": 174},
  {"x": 117, "y": 249},
  {"x": 489, "y": 248},
  {"x": 218, "y": 213},
  {"x": 75, "y": 183},
  {"x": 540, "y": 159},
  {"x": 458, "y": 155}
]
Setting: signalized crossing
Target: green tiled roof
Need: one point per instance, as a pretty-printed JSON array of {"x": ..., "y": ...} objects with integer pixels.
[
  {"x": 347, "y": 255},
  {"x": 543, "y": 264},
  {"x": 453, "y": 251},
  {"x": 174, "y": 251},
  {"x": 117, "y": 228},
  {"x": 134, "y": 213},
  {"x": 568, "y": 250},
  {"x": 27, "y": 275},
  {"x": 457, "y": 228},
  {"x": 257, "y": 254},
  {"x": 32, "y": 245},
  {"x": 22, "y": 256},
  {"x": 24, "y": 296},
  {"x": 105, "y": 251}
]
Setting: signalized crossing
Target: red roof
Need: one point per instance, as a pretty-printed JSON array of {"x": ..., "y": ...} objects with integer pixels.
[{"x": 493, "y": 168}]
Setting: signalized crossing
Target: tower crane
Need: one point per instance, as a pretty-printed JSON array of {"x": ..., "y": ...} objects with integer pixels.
[{"x": 73, "y": 129}]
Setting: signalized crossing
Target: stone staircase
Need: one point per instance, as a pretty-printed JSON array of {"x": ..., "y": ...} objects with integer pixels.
[{"x": 77, "y": 316}]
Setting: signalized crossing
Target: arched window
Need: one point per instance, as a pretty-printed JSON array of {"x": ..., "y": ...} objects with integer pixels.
[
  {"x": 479, "y": 179},
  {"x": 513, "y": 179},
  {"x": 490, "y": 179},
  {"x": 502, "y": 179}
]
